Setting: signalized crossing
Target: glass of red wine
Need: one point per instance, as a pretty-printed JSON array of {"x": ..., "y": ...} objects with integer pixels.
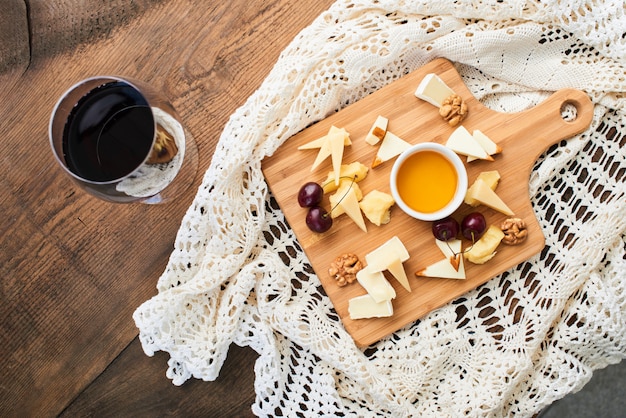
[{"x": 122, "y": 141}]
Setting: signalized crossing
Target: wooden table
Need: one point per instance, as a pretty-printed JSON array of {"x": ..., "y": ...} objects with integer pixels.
[{"x": 72, "y": 268}]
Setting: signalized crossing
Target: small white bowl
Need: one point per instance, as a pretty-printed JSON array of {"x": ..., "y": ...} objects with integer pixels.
[{"x": 461, "y": 184}]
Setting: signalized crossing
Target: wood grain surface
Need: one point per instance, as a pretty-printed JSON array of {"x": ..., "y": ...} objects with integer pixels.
[
  {"x": 523, "y": 137},
  {"x": 74, "y": 268}
]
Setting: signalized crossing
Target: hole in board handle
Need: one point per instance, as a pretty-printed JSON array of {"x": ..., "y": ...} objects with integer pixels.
[{"x": 569, "y": 111}]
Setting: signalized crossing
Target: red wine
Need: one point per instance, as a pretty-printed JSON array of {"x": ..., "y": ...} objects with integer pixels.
[{"x": 109, "y": 133}]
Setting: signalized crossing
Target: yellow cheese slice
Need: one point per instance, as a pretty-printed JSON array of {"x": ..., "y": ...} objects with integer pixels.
[
  {"x": 324, "y": 152},
  {"x": 433, "y": 90},
  {"x": 366, "y": 307},
  {"x": 355, "y": 170},
  {"x": 482, "y": 193},
  {"x": 350, "y": 205},
  {"x": 344, "y": 187},
  {"x": 376, "y": 285},
  {"x": 317, "y": 143},
  {"x": 492, "y": 178},
  {"x": 330, "y": 145},
  {"x": 379, "y": 258},
  {"x": 377, "y": 131},
  {"x": 336, "y": 150},
  {"x": 396, "y": 268},
  {"x": 391, "y": 147},
  {"x": 488, "y": 145},
  {"x": 462, "y": 142}
]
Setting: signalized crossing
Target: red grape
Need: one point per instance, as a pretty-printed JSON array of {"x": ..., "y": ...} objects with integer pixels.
[
  {"x": 318, "y": 219},
  {"x": 473, "y": 226},
  {"x": 445, "y": 229},
  {"x": 310, "y": 194}
]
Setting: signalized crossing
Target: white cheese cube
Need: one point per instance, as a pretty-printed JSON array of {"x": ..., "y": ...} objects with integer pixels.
[
  {"x": 377, "y": 131},
  {"x": 433, "y": 90}
]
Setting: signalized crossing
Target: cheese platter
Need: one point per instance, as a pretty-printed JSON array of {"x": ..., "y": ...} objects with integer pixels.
[{"x": 520, "y": 138}]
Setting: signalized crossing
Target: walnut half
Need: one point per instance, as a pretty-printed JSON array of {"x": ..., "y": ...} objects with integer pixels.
[
  {"x": 453, "y": 109},
  {"x": 514, "y": 230},
  {"x": 344, "y": 268}
]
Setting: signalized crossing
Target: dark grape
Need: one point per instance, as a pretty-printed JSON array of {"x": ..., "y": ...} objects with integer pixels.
[
  {"x": 473, "y": 226},
  {"x": 318, "y": 219},
  {"x": 445, "y": 229},
  {"x": 310, "y": 195}
]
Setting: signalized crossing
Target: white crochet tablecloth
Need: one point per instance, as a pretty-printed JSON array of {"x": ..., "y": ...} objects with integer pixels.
[{"x": 514, "y": 345}]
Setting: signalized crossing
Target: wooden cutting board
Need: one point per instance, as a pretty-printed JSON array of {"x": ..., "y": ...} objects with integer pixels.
[{"x": 523, "y": 136}]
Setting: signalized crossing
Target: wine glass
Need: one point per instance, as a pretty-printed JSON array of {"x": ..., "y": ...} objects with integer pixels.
[{"x": 122, "y": 141}]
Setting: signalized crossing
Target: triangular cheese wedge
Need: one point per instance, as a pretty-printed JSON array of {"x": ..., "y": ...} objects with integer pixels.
[
  {"x": 396, "y": 269},
  {"x": 377, "y": 131},
  {"x": 350, "y": 205},
  {"x": 379, "y": 258},
  {"x": 492, "y": 178},
  {"x": 488, "y": 145},
  {"x": 376, "y": 285},
  {"x": 452, "y": 251},
  {"x": 391, "y": 147},
  {"x": 336, "y": 150},
  {"x": 433, "y": 90},
  {"x": 345, "y": 186},
  {"x": 482, "y": 193},
  {"x": 330, "y": 145},
  {"x": 443, "y": 269},
  {"x": 462, "y": 142},
  {"x": 324, "y": 152},
  {"x": 317, "y": 143}
]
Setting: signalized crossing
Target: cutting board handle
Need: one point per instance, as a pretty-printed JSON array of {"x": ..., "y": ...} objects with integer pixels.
[{"x": 546, "y": 119}]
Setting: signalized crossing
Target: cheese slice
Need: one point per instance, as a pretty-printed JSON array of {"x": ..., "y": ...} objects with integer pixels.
[
  {"x": 331, "y": 145},
  {"x": 483, "y": 194},
  {"x": 376, "y": 285},
  {"x": 336, "y": 151},
  {"x": 396, "y": 268},
  {"x": 323, "y": 153},
  {"x": 350, "y": 205},
  {"x": 365, "y": 306},
  {"x": 443, "y": 269},
  {"x": 462, "y": 142},
  {"x": 380, "y": 258},
  {"x": 492, "y": 178},
  {"x": 345, "y": 186},
  {"x": 347, "y": 172},
  {"x": 377, "y": 131},
  {"x": 391, "y": 147},
  {"x": 488, "y": 145},
  {"x": 452, "y": 251},
  {"x": 433, "y": 90},
  {"x": 390, "y": 256},
  {"x": 317, "y": 143},
  {"x": 451, "y": 267}
]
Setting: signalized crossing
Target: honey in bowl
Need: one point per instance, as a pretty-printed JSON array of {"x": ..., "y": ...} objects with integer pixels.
[{"x": 428, "y": 181}]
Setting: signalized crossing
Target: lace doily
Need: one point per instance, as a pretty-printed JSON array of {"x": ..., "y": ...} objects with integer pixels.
[{"x": 514, "y": 345}]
